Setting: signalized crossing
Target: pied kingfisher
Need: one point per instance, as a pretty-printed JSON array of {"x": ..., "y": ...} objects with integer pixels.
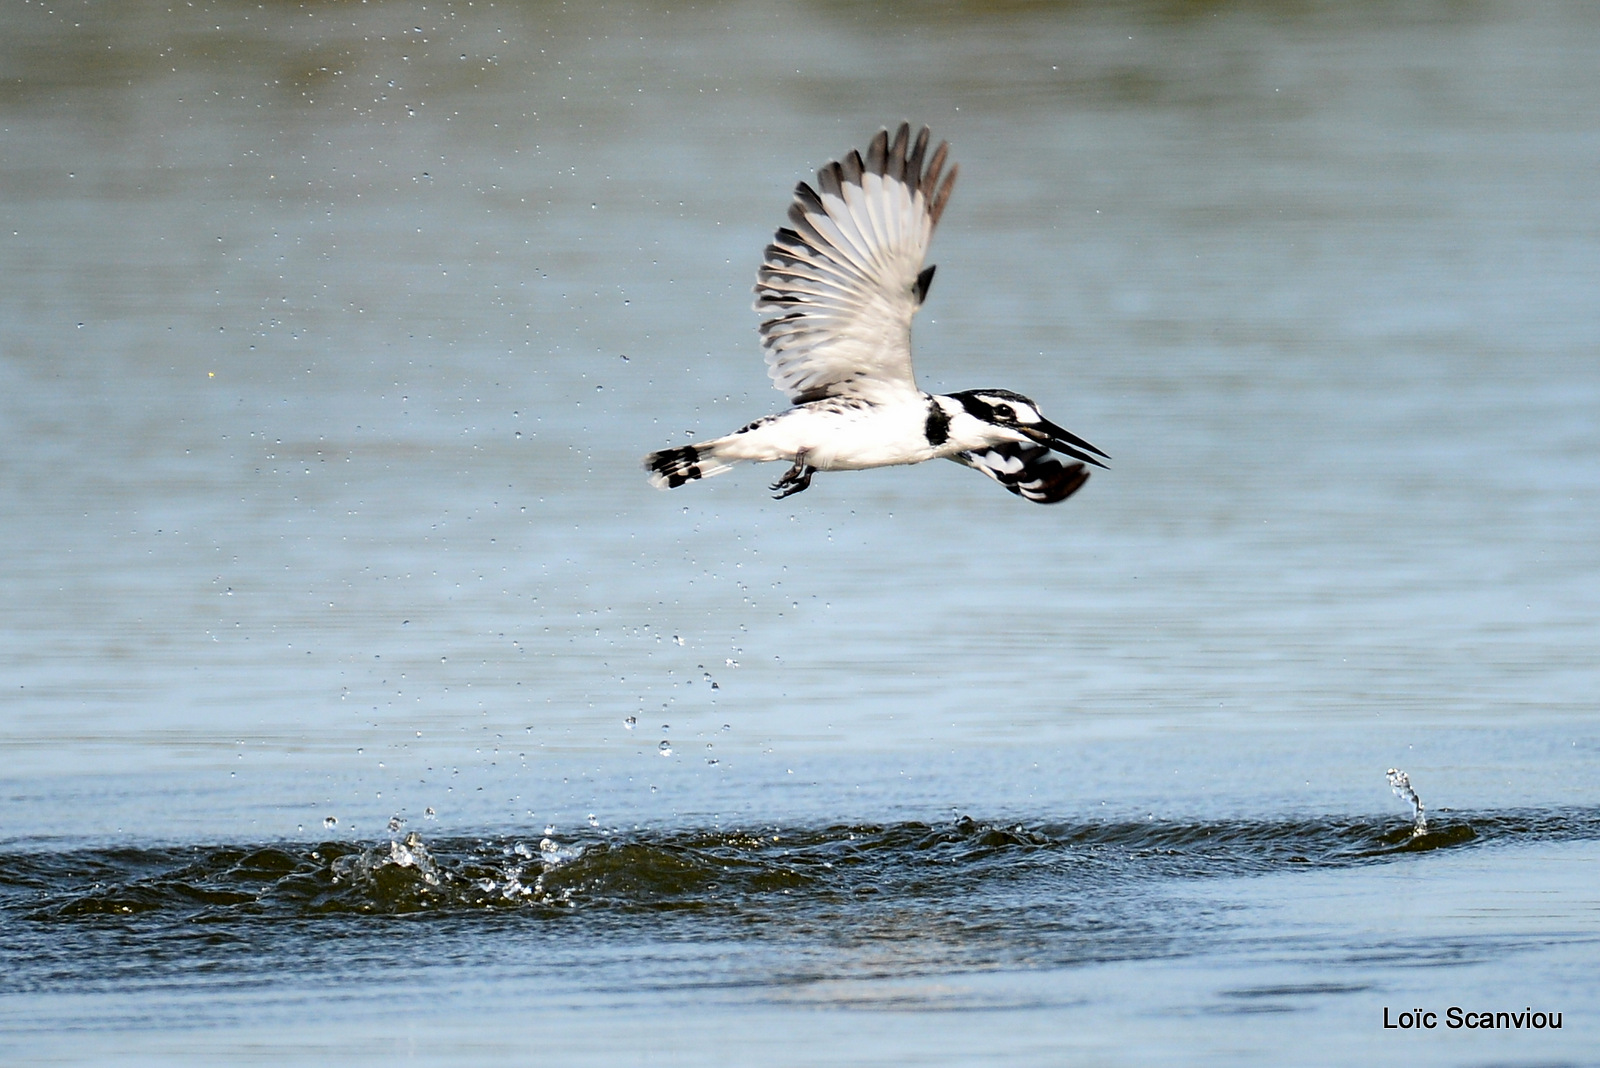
[{"x": 841, "y": 284}]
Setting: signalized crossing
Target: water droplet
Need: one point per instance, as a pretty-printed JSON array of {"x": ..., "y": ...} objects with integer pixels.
[
  {"x": 593, "y": 820},
  {"x": 395, "y": 823},
  {"x": 676, "y": 640},
  {"x": 428, "y": 813},
  {"x": 665, "y": 748},
  {"x": 631, "y": 722},
  {"x": 330, "y": 821},
  {"x": 549, "y": 829}
]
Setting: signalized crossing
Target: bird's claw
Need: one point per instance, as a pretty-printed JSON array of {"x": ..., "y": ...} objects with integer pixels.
[{"x": 794, "y": 480}]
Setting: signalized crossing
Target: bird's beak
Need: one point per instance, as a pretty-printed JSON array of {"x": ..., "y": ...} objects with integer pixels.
[{"x": 1048, "y": 434}]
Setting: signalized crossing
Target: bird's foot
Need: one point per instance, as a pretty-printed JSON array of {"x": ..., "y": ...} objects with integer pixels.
[{"x": 795, "y": 479}]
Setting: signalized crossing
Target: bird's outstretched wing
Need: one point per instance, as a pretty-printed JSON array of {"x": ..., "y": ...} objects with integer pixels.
[
  {"x": 1030, "y": 471},
  {"x": 842, "y": 281}
]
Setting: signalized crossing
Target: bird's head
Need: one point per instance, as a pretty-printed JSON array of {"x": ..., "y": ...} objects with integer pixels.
[{"x": 1003, "y": 416}]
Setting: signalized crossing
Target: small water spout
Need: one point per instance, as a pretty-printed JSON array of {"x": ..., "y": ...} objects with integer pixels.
[{"x": 1400, "y": 782}]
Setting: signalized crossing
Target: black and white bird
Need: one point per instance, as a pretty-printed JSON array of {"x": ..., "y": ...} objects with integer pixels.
[{"x": 840, "y": 285}]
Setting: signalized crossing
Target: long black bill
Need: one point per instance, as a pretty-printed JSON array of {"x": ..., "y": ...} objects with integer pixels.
[{"x": 1065, "y": 441}]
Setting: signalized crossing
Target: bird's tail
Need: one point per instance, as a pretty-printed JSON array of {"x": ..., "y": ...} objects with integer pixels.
[{"x": 671, "y": 468}]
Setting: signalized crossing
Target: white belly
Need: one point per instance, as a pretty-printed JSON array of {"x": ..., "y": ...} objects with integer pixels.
[{"x": 846, "y": 440}]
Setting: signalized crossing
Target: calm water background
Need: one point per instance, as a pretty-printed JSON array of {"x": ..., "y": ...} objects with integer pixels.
[{"x": 330, "y": 337}]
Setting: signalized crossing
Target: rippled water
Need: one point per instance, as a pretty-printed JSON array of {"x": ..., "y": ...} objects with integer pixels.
[
  {"x": 906, "y": 917},
  {"x": 330, "y": 338},
  {"x": 699, "y": 872}
]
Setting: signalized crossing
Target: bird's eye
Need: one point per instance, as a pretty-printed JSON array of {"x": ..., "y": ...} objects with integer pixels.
[{"x": 1003, "y": 411}]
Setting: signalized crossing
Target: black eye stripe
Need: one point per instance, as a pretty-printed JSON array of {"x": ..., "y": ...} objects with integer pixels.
[{"x": 997, "y": 405}]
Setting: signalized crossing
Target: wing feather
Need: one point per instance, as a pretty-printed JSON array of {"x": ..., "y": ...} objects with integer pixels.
[
  {"x": 1032, "y": 472},
  {"x": 838, "y": 284}
]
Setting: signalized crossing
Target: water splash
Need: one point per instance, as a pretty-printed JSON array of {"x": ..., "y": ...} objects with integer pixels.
[
  {"x": 511, "y": 883},
  {"x": 1400, "y": 782},
  {"x": 406, "y": 877},
  {"x": 411, "y": 853},
  {"x": 552, "y": 854},
  {"x": 379, "y": 875}
]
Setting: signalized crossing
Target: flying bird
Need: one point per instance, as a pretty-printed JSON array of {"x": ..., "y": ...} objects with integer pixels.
[{"x": 839, "y": 286}]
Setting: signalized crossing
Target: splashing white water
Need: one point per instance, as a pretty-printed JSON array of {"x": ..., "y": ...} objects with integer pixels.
[
  {"x": 409, "y": 853},
  {"x": 1400, "y": 782}
]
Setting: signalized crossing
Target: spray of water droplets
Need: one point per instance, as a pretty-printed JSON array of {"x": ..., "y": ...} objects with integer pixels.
[{"x": 1400, "y": 782}]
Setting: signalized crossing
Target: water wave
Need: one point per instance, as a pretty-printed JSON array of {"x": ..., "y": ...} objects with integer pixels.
[{"x": 716, "y": 871}]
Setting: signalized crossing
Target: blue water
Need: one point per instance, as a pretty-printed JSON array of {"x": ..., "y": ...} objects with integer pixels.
[{"x": 331, "y": 337}]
